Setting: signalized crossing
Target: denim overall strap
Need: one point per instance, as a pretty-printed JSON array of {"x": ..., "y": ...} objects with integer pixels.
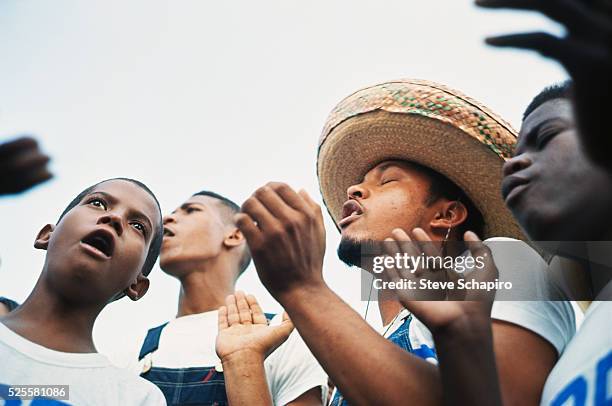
[
  {"x": 151, "y": 342},
  {"x": 200, "y": 385},
  {"x": 401, "y": 338}
]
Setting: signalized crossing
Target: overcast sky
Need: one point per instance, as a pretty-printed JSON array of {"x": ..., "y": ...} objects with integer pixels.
[{"x": 224, "y": 96}]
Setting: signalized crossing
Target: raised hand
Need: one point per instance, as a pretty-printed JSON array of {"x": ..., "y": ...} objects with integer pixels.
[
  {"x": 442, "y": 308},
  {"x": 243, "y": 327},
  {"x": 462, "y": 328},
  {"x": 286, "y": 237},
  {"x": 22, "y": 165},
  {"x": 585, "y": 52}
]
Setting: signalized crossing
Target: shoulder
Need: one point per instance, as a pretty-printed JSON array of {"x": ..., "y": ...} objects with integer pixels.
[
  {"x": 138, "y": 390},
  {"x": 292, "y": 370},
  {"x": 554, "y": 321},
  {"x": 293, "y": 347}
]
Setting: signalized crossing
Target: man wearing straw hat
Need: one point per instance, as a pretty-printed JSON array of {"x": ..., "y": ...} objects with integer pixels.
[
  {"x": 454, "y": 147},
  {"x": 406, "y": 154}
]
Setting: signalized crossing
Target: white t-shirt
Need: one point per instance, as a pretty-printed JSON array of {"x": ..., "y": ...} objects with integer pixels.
[
  {"x": 91, "y": 378},
  {"x": 189, "y": 341},
  {"x": 583, "y": 375},
  {"x": 552, "y": 320}
]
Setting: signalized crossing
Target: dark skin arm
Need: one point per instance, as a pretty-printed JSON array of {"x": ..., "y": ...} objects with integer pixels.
[
  {"x": 585, "y": 52},
  {"x": 518, "y": 349},
  {"x": 460, "y": 321},
  {"x": 288, "y": 244},
  {"x": 515, "y": 348}
]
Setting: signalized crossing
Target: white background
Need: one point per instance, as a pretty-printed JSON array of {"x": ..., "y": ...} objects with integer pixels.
[{"x": 219, "y": 95}]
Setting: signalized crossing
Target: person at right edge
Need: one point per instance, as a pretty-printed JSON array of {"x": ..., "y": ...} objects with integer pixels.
[{"x": 565, "y": 140}]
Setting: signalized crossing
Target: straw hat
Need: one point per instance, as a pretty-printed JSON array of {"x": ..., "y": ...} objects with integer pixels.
[{"x": 422, "y": 122}]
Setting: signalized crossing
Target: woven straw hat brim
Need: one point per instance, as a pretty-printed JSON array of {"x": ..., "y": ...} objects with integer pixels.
[{"x": 350, "y": 148}]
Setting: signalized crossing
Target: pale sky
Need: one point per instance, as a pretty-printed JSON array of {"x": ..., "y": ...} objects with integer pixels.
[{"x": 224, "y": 96}]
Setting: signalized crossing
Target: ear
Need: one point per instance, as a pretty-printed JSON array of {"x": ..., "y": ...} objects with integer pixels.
[
  {"x": 234, "y": 239},
  {"x": 43, "y": 237},
  {"x": 138, "y": 289},
  {"x": 448, "y": 214}
]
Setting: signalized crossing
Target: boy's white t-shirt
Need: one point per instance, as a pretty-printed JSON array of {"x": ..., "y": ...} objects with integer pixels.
[
  {"x": 553, "y": 320},
  {"x": 92, "y": 379},
  {"x": 583, "y": 375},
  {"x": 189, "y": 341}
]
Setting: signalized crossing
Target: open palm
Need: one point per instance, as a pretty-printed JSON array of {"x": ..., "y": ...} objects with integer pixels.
[
  {"x": 457, "y": 306},
  {"x": 243, "y": 327}
]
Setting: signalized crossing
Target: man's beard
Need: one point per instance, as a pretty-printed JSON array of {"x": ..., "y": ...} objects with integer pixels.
[{"x": 352, "y": 251}]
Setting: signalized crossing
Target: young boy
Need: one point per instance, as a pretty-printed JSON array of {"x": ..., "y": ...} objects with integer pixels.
[
  {"x": 102, "y": 248},
  {"x": 547, "y": 159},
  {"x": 205, "y": 251}
]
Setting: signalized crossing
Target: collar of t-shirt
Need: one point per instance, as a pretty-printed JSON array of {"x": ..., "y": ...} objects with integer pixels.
[{"x": 43, "y": 354}]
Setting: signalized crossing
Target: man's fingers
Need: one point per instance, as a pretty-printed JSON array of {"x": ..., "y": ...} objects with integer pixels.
[
  {"x": 259, "y": 213},
  {"x": 425, "y": 243},
  {"x": 244, "y": 311},
  {"x": 15, "y": 146},
  {"x": 308, "y": 200},
  {"x": 24, "y": 162},
  {"x": 286, "y": 316},
  {"x": 390, "y": 248},
  {"x": 405, "y": 243},
  {"x": 520, "y": 4},
  {"x": 275, "y": 205},
  {"x": 223, "y": 323},
  {"x": 285, "y": 328},
  {"x": 259, "y": 316},
  {"x": 544, "y": 43},
  {"x": 575, "y": 15},
  {"x": 232, "y": 310},
  {"x": 24, "y": 181},
  {"x": 479, "y": 250},
  {"x": 246, "y": 224},
  {"x": 289, "y": 196}
]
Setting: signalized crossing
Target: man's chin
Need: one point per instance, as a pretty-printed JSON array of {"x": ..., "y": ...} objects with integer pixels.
[
  {"x": 350, "y": 250},
  {"x": 168, "y": 265}
]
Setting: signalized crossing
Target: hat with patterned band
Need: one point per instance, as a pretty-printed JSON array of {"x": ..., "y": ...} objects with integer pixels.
[{"x": 422, "y": 122}]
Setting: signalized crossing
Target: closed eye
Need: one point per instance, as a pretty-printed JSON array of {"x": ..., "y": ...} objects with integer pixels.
[{"x": 545, "y": 136}]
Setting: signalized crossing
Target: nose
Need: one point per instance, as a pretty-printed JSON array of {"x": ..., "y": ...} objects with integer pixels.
[
  {"x": 516, "y": 164},
  {"x": 169, "y": 218},
  {"x": 357, "y": 192},
  {"x": 114, "y": 220}
]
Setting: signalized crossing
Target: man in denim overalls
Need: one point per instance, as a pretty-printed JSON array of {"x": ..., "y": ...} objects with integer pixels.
[{"x": 207, "y": 253}]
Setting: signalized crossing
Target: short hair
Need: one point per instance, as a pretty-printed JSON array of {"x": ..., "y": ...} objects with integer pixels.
[
  {"x": 562, "y": 90},
  {"x": 232, "y": 209},
  {"x": 10, "y": 304},
  {"x": 442, "y": 187},
  {"x": 158, "y": 234}
]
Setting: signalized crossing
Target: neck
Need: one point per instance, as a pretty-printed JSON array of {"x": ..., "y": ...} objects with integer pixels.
[
  {"x": 387, "y": 306},
  {"x": 48, "y": 319},
  {"x": 206, "y": 288}
]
